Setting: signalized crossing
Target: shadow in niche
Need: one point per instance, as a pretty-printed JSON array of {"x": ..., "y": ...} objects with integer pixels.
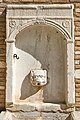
[{"x": 27, "y": 89}]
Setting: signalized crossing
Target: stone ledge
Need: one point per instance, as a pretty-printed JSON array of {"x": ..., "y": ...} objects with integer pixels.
[
  {"x": 43, "y": 107},
  {"x": 33, "y": 116}
]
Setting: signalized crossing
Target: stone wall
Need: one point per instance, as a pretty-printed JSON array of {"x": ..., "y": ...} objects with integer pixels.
[{"x": 3, "y": 46}]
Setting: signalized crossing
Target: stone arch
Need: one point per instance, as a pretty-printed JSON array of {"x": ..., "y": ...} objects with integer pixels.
[{"x": 19, "y": 28}]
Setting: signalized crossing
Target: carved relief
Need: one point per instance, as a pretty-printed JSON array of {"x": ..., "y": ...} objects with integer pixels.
[
  {"x": 12, "y": 24},
  {"x": 65, "y": 24}
]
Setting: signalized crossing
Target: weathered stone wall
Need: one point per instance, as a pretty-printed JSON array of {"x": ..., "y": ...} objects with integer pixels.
[{"x": 3, "y": 46}]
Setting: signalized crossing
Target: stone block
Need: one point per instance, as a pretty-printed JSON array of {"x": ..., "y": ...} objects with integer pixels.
[
  {"x": 24, "y": 108},
  {"x": 35, "y": 116},
  {"x": 76, "y": 115},
  {"x": 25, "y": 116},
  {"x": 55, "y": 116},
  {"x": 48, "y": 107}
]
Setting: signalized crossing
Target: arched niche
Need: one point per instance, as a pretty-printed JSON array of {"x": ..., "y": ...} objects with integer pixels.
[
  {"x": 41, "y": 47},
  {"x": 50, "y": 31}
]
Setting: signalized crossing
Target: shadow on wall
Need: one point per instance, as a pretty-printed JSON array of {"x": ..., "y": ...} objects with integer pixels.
[{"x": 27, "y": 89}]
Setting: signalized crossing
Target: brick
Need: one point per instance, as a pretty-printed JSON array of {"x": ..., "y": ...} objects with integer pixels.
[
  {"x": 77, "y": 99},
  {"x": 77, "y": 14},
  {"x": 2, "y": 51},
  {"x": 77, "y": 33},
  {"x": 77, "y": 42},
  {"x": 77, "y": 19},
  {"x": 1, "y": 96},
  {"x": 2, "y": 83},
  {"x": 2, "y": 64},
  {"x": 77, "y": 89},
  {"x": 77, "y": 66},
  {"x": 77, "y": 85},
  {"x": 77, "y": 5},
  {"x": 77, "y": 38},
  {"x": 2, "y": 93},
  {"x": 77, "y": 10},
  {"x": 2, "y": 79},
  {"x": 2, "y": 87},
  {"x": 77, "y": 57},
  {"x": 77, "y": 104},
  {"x": 77, "y": 24},
  {"x": 77, "y": 62},
  {"x": 2, "y": 46},
  {"x": 2, "y": 42},
  {"x": 77, "y": 48},
  {"x": 77, "y": 94},
  {"x": 1, "y": 104},
  {"x": 77, "y": 81},
  {"x": 77, "y": 29},
  {"x": 2, "y": 74},
  {"x": 2, "y": 70},
  {"x": 75, "y": 1},
  {"x": 3, "y": 58}
]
